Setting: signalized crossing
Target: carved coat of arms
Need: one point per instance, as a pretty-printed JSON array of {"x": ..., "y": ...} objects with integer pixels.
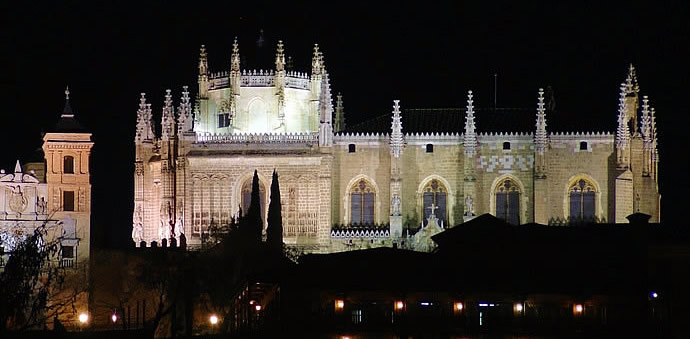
[{"x": 18, "y": 200}]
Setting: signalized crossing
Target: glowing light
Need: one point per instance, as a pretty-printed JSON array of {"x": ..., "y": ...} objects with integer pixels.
[
  {"x": 483, "y": 305},
  {"x": 113, "y": 317},
  {"x": 424, "y": 303},
  {"x": 339, "y": 304},
  {"x": 578, "y": 308},
  {"x": 257, "y": 307},
  {"x": 83, "y": 318},
  {"x": 399, "y": 305},
  {"x": 251, "y": 302},
  {"x": 518, "y": 307},
  {"x": 459, "y": 306},
  {"x": 655, "y": 295},
  {"x": 213, "y": 319}
]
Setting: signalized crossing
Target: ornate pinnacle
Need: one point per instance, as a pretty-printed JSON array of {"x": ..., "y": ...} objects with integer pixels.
[
  {"x": 184, "y": 120},
  {"x": 397, "y": 140},
  {"x": 235, "y": 58},
  {"x": 280, "y": 57},
  {"x": 168, "y": 117},
  {"x": 622, "y": 132},
  {"x": 652, "y": 129},
  {"x": 339, "y": 114},
  {"x": 144, "y": 131},
  {"x": 470, "y": 138},
  {"x": 67, "y": 93},
  {"x": 646, "y": 122},
  {"x": 316, "y": 61},
  {"x": 631, "y": 85},
  {"x": 540, "y": 136}
]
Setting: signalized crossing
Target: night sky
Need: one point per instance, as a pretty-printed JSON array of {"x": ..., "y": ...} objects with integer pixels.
[{"x": 427, "y": 58}]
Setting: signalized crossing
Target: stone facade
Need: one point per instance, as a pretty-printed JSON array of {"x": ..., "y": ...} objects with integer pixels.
[{"x": 347, "y": 188}]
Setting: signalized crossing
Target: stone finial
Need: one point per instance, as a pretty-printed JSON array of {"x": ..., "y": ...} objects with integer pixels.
[
  {"x": 316, "y": 60},
  {"x": 144, "y": 128},
  {"x": 470, "y": 138},
  {"x": 67, "y": 93},
  {"x": 203, "y": 61},
  {"x": 168, "y": 117},
  {"x": 540, "y": 136},
  {"x": 235, "y": 58},
  {"x": 631, "y": 85},
  {"x": 17, "y": 168},
  {"x": 280, "y": 57},
  {"x": 397, "y": 140},
  {"x": 184, "y": 119},
  {"x": 339, "y": 114},
  {"x": 67, "y": 111},
  {"x": 622, "y": 131}
]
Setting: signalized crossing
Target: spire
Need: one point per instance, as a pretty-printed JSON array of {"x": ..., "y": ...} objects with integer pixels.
[
  {"x": 184, "y": 119},
  {"x": 646, "y": 123},
  {"x": 235, "y": 58},
  {"x": 470, "y": 138},
  {"x": 203, "y": 61},
  {"x": 67, "y": 111},
  {"x": 622, "y": 132},
  {"x": 540, "y": 136},
  {"x": 652, "y": 128},
  {"x": 316, "y": 61},
  {"x": 339, "y": 114},
  {"x": 397, "y": 140},
  {"x": 168, "y": 117},
  {"x": 18, "y": 167},
  {"x": 280, "y": 57},
  {"x": 144, "y": 131}
]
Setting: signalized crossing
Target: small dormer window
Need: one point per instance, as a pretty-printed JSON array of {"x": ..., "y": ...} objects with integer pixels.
[
  {"x": 506, "y": 146},
  {"x": 68, "y": 166},
  {"x": 430, "y": 148},
  {"x": 351, "y": 148},
  {"x": 583, "y": 145}
]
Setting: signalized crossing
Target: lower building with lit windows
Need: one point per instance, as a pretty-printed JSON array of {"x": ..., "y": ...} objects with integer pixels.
[{"x": 380, "y": 182}]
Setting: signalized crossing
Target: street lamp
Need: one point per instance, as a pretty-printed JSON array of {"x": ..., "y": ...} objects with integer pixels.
[
  {"x": 213, "y": 319},
  {"x": 83, "y": 318},
  {"x": 114, "y": 317}
]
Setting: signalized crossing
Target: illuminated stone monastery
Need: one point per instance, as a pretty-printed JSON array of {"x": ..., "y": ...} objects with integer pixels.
[{"x": 359, "y": 187}]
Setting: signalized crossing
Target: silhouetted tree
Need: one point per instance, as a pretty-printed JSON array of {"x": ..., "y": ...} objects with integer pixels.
[
  {"x": 274, "y": 231},
  {"x": 253, "y": 221}
]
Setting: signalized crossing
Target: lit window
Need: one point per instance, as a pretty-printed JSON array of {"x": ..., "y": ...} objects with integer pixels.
[
  {"x": 430, "y": 148},
  {"x": 68, "y": 165},
  {"x": 357, "y": 316},
  {"x": 508, "y": 202},
  {"x": 339, "y": 304},
  {"x": 362, "y": 199},
  {"x": 506, "y": 145},
  {"x": 68, "y": 201},
  {"x": 351, "y": 148}
]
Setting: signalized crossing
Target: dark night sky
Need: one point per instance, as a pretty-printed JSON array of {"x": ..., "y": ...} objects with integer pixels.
[{"x": 425, "y": 57}]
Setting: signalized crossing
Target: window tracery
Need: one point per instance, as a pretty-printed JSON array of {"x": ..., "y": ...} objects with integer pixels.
[
  {"x": 582, "y": 195},
  {"x": 508, "y": 201},
  {"x": 435, "y": 193},
  {"x": 362, "y": 203}
]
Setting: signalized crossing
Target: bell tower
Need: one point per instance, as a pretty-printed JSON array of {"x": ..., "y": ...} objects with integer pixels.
[{"x": 67, "y": 149}]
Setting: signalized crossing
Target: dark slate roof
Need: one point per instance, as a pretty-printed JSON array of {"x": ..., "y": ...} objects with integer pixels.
[
  {"x": 67, "y": 123},
  {"x": 452, "y": 120}
]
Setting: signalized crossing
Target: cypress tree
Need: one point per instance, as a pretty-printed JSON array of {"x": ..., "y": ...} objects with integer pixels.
[
  {"x": 274, "y": 231},
  {"x": 253, "y": 220}
]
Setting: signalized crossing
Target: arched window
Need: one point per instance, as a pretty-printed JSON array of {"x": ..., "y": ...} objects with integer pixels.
[
  {"x": 362, "y": 199},
  {"x": 508, "y": 201},
  {"x": 583, "y": 145},
  {"x": 435, "y": 194},
  {"x": 582, "y": 194},
  {"x": 247, "y": 198},
  {"x": 430, "y": 148},
  {"x": 351, "y": 148},
  {"x": 68, "y": 165},
  {"x": 506, "y": 145}
]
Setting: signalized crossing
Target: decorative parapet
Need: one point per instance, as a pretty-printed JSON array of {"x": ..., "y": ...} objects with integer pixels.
[
  {"x": 260, "y": 138},
  {"x": 297, "y": 80},
  {"x": 222, "y": 82},
  {"x": 563, "y": 136},
  {"x": 257, "y": 79},
  {"x": 366, "y": 231},
  {"x": 348, "y": 137}
]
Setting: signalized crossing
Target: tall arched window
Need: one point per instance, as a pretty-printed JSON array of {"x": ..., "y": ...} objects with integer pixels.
[
  {"x": 68, "y": 165},
  {"x": 435, "y": 194},
  {"x": 247, "y": 198},
  {"x": 582, "y": 194},
  {"x": 508, "y": 201},
  {"x": 362, "y": 200}
]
